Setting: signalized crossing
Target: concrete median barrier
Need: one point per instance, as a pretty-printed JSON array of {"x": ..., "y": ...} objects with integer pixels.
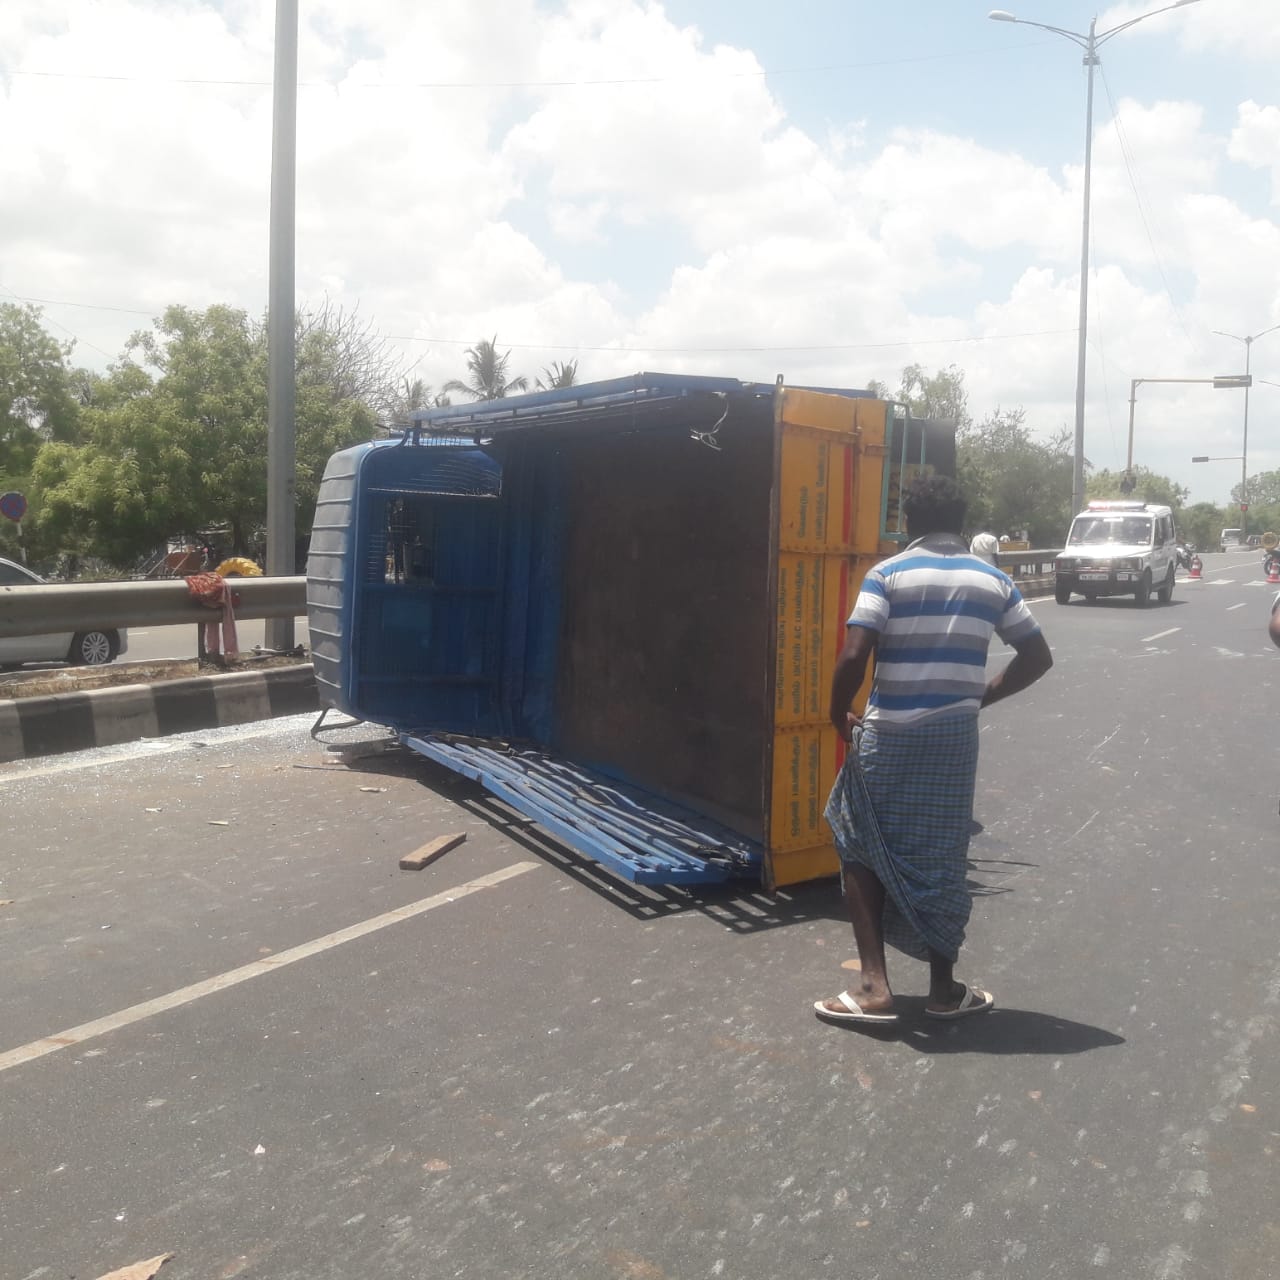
[{"x": 61, "y": 722}]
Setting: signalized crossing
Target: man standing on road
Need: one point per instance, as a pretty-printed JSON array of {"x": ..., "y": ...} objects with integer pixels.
[
  {"x": 902, "y": 805},
  {"x": 985, "y": 547}
]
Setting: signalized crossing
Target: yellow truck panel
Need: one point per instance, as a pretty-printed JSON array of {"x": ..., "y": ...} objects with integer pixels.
[{"x": 831, "y": 468}]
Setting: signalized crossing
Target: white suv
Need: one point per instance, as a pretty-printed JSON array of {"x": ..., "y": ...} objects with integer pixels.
[{"x": 1118, "y": 548}]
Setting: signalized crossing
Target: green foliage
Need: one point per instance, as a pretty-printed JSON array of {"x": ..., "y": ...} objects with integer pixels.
[
  {"x": 37, "y": 405},
  {"x": 175, "y": 437},
  {"x": 1201, "y": 524},
  {"x": 1013, "y": 481},
  {"x": 1264, "y": 491},
  {"x": 487, "y": 373},
  {"x": 559, "y": 374},
  {"x": 1147, "y": 487},
  {"x": 941, "y": 396}
]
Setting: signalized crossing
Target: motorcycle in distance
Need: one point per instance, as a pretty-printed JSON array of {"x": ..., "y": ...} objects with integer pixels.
[
  {"x": 1271, "y": 555},
  {"x": 1184, "y": 552}
]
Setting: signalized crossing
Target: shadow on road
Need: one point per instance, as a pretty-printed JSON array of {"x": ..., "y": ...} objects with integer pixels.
[
  {"x": 1004, "y": 1031},
  {"x": 739, "y": 905}
]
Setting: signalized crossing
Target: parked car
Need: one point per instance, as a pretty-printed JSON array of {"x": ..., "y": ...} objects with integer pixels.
[{"x": 81, "y": 648}]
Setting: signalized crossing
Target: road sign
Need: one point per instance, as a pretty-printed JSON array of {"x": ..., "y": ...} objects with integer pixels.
[
  {"x": 1244, "y": 506},
  {"x": 1233, "y": 380},
  {"x": 13, "y": 506}
]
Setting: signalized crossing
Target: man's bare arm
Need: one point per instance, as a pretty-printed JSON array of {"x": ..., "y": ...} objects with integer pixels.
[
  {"x": 1031, "y": 660},
  {"x": 851, "y": 668}
]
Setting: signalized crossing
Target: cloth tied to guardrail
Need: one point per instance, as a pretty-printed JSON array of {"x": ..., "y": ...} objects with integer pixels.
[{"x": 213, "y": 592}]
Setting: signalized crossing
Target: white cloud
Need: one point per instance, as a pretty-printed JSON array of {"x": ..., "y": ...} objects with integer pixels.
[
  {"x": 449, "y": 181},
  {"x": 1243, "y": 28}
]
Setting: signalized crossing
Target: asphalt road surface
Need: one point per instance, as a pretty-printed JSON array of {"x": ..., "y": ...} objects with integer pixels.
[
  {"x": 148, "y": 644},
  {"x": 263, "y": 1047}
]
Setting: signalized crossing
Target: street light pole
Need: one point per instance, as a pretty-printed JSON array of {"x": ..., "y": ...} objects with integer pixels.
[
  {"x": 1248, "y": 340},
  {"x": 1077, "y": 459},
  {"x": 1090, "y": 43},
  {"x": 281, "y": 390}
]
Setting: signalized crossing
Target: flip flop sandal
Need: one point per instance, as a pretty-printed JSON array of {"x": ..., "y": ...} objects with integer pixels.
[
  {"x": 973, "y": 1001},
  {"x": 855, "y": 1012}
]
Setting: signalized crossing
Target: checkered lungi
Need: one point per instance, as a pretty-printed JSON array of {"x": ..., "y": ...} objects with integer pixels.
[{"x": 902, "y": 806}]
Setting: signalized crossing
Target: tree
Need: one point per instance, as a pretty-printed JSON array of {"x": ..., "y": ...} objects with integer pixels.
[
  {"x": 356, "y": 359},
  {"x": 37, "y": 405},
  {"x": 413, "y": 395},
  {"x": 36, "y": 402},
  {"x": 1201, "y": 524},
  {"x": 557, "y": 375},
  {"x": 488, "y": 373},
  {"x": 1264, "y": 490},
  {"x": 941, "y": 396},
  {"x": 1147, "y": 487},
  {"x": 175, "y": 436},
  {"x": 1013, "y": 481}
]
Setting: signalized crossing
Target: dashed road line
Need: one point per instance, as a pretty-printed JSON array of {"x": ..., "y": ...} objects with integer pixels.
[
  {"x": 233, "y": 977},
  {"x": 1235, "y": 606},
  {"x": 1159, "y": 635}
]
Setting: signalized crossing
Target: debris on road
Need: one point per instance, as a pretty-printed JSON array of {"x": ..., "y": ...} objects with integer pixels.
[
  {"x": 374, "y": 790},
  {"x": 139, "y": 1270},
  {"x": 259, "y": 1150},
  {"x": 218, "y": 822},
  {"x": 431, "y": 851},
  {"x": 7, "y": 902}
]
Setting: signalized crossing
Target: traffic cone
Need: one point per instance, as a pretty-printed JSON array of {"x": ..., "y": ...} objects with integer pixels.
[
  {"x": 1196, "y": 565},
  {"x": 1273, "y": 572}
]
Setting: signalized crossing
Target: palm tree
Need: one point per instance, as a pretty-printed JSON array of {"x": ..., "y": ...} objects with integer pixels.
[
  {"x": 559, "y": 374},
  {"x": 488, "y": 373}
]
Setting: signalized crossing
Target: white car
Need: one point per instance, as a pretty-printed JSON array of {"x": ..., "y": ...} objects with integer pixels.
[
  {"x": 1117, "y": 548},
  {"x": 80, "y": 648}
]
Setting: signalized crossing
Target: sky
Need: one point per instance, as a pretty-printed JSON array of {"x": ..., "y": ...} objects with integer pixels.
[{"x": 829, "y": 190}]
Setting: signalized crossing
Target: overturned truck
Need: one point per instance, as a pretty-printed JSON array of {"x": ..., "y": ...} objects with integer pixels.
[{"x": 617, "y": 606}]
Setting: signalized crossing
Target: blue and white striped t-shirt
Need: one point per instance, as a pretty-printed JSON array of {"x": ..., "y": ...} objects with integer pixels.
[{"x": 935, "y": 608}]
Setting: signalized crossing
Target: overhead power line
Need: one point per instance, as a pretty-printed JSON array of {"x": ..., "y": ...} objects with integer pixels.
[
  {"x": 580, "y": 346},
  {"x": 1140, "y": 200}
]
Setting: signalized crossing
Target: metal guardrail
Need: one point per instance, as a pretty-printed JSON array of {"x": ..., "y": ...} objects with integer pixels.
[
  {"x": 1022, "y": 565},
  {"x": 82, "y": 606}
]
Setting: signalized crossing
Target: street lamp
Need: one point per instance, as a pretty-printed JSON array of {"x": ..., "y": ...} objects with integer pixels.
[
  {"x": 1090, "y": 43},
  {"x": 1248, "y": 340}
]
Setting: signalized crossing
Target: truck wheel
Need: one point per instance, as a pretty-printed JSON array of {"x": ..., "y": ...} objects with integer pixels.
[
  {"x": 1166, "y": 592},
  {"x": 1143, "y": 593},
  {"x": 1061, "y": 592}
]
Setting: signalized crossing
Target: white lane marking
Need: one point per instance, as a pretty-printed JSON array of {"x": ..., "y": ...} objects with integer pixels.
[
  {"x": 233, "y": 977},
  {"x": 1159, "y": 635},
  {"x": 1235, "y": 606},
  {"x": 1220, "y": 582}
]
